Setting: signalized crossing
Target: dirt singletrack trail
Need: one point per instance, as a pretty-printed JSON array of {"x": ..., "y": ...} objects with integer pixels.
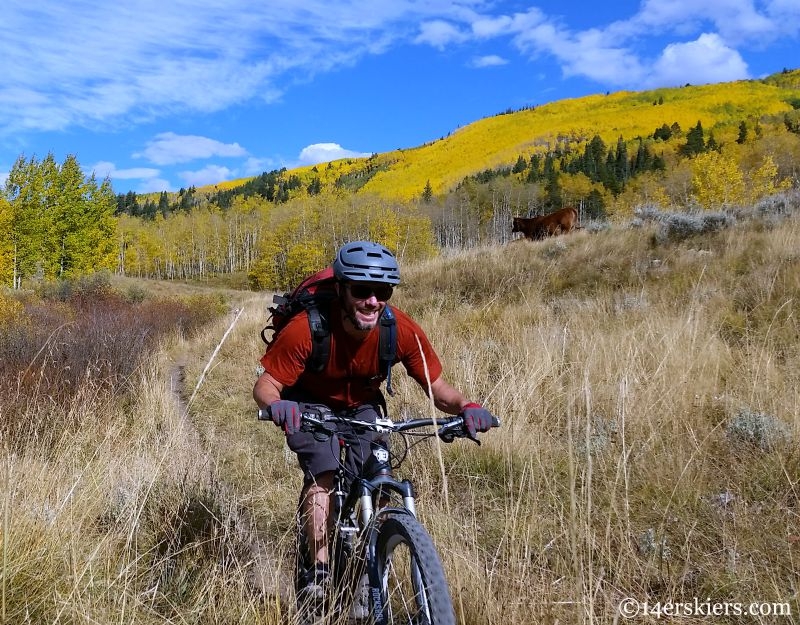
[{"x": 211, "y": 379}]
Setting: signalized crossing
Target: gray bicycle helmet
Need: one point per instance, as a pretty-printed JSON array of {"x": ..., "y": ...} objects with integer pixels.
[{"x": 365, "y": 261}]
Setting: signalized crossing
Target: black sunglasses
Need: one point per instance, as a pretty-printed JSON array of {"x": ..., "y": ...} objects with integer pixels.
[{"x": 364, "y": 291}]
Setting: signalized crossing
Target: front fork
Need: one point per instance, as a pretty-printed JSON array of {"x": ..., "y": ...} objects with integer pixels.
[{"x": 371, "y": 520}]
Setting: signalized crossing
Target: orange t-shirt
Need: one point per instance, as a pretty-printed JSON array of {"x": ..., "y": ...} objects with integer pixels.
[{"x": 352, "y": 376}]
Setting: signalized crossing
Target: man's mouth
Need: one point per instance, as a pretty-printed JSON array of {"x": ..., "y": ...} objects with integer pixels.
[{"x": 367, "y": 316}]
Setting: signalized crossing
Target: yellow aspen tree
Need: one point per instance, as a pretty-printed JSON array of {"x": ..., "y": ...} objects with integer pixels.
[
  {"x": 385, "y": 228},
  {"x": 645, "y": 189},
  {"x": 764, "y": 180},
  {"x": 6, "y": 243},
  {"x": 302, "y": 259},
  {"x": 717, "y": 181},
  {"x": 575, "y": 187}
]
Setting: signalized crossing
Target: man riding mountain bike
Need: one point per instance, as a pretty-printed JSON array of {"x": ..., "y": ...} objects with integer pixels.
[{"x": 366, "y": 274}]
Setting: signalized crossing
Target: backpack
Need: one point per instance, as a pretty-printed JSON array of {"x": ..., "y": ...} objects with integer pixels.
[{"x": 314, "y": 295}]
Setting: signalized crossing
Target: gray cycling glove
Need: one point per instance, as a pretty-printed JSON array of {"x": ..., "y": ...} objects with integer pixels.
[
  {"x": 476, "y": 419},
  {"x": 286, "y": 414}
]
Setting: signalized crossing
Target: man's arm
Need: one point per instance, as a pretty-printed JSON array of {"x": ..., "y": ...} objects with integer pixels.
[
  {"x": 449, "y": 400},
  {"x": 446, "y": 398},
  {"x": 266, "y": 390}
]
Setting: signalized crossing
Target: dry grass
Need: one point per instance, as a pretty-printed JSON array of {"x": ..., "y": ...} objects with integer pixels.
[{"x": 649, "y": 395}]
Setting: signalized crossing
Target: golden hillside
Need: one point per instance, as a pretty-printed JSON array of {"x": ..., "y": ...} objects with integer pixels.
[{"x": 499, "y": 140}]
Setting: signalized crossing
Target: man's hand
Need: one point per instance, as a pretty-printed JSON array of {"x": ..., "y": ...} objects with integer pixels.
[
  {"x": 286, "y": 414},
  {"x": 476, "y": 419}
]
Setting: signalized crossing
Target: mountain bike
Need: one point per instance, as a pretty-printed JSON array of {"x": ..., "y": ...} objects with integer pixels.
[{"x": 385, "y": 569}]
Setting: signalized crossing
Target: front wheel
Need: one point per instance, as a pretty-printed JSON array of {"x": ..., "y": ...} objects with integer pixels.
[{"x": 413, "y": 585}]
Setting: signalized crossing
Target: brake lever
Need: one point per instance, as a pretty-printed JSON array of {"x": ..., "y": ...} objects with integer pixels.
[
  {"x": 495, "y": 424},
  {"x": 447, "y": 433},
  {"x": 319, "y": 428}
]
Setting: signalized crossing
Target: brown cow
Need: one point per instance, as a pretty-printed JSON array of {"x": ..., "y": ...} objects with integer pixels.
[{"x": 534, "y": 228}]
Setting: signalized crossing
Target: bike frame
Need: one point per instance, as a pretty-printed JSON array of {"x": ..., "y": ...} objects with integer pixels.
[
  {"x": 356, "y": 521},
  {"x": 361, "y": 495},
  {"x": 353, "y": 510}
]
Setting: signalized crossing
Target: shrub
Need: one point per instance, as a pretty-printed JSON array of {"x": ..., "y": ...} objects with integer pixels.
[
  {"x": 11, "y": 311},
  {"x": 680, "y": 226},
  {"x": 89, "y": 336},
  {"x": 757, "y": 429}
]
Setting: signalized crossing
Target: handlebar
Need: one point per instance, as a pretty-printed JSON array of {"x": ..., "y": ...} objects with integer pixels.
[{"x": 321, "y": 420}]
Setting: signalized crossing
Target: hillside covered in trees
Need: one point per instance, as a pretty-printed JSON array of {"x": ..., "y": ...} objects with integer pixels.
[{"x": 691, "y": 148}]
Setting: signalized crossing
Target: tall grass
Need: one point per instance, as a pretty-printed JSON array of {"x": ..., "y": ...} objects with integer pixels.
[
  {"x": 647, "y": 383},
  {"x": 111, "y": 508}
]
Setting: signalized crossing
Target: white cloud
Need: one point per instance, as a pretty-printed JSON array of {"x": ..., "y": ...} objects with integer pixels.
[
  {"x": 149, "y": 177},
  {"x": 491, "y": 60},
  {"x": 497, "y": 26},
  {"x": 212, "y": 174},
  {"x": 154, "y": 185},
  {"x": 67, "y": 64},
  {"x": 169, "y": 148},
  {"x": 255, "y": 166},
  {"x": 736, "y": 21},
  {"x": 104, "y": 169},
  {"x": 705, "y": 60},
  {"x": 439, "y": 34},
  {"x": 488, "y": 27},
  {"x": 324, "y": 152},
  {"x": 593, "y": 55},
  {"x": 784, "y": 7}
]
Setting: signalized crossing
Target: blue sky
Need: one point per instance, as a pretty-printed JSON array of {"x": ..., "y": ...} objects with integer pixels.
[{"x": 164, "y": 94}]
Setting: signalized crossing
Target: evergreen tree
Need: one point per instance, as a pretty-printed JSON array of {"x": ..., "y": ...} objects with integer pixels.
[
  {"x": 621, "y": 164},
  {"x": 534, "y": 172},
  {"x": 552, "y": 187},
  {"x": 149, "y": 210},
  {"x": 186, "y": 199},
  {"x": 427, "y": 192},
  {"x": 594, "y": 159},
  {"x": 609, "y": 176},
  {"x": 742, "y": 138},
  {"x": 664, "y": 133},
  {"x": 314, "y": 187},
  {"x": 519, "y": 166},
  {"x": 642, "y": 160},
  {"x": 711, "y": 144},
  {"x": 128, "y": 204},
  {"x": 163, "y": 204},
  {"x": 695, "y": 143}
]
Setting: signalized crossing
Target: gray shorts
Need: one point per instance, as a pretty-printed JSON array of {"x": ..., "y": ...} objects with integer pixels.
[{"x": 317, "y": 457}]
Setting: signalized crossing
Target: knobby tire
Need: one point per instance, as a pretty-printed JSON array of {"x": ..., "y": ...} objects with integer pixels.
[{"x": 415, "y": 590}]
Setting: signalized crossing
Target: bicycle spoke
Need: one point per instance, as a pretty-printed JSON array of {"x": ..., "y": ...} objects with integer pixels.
[{"x": 407, "y": 601}]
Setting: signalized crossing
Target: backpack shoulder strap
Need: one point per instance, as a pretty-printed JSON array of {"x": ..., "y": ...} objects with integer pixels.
[
  {"x": 320, "y": 339},
  {"x": 321, "y": 342},
  {"x": 387, "y": 350}
]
